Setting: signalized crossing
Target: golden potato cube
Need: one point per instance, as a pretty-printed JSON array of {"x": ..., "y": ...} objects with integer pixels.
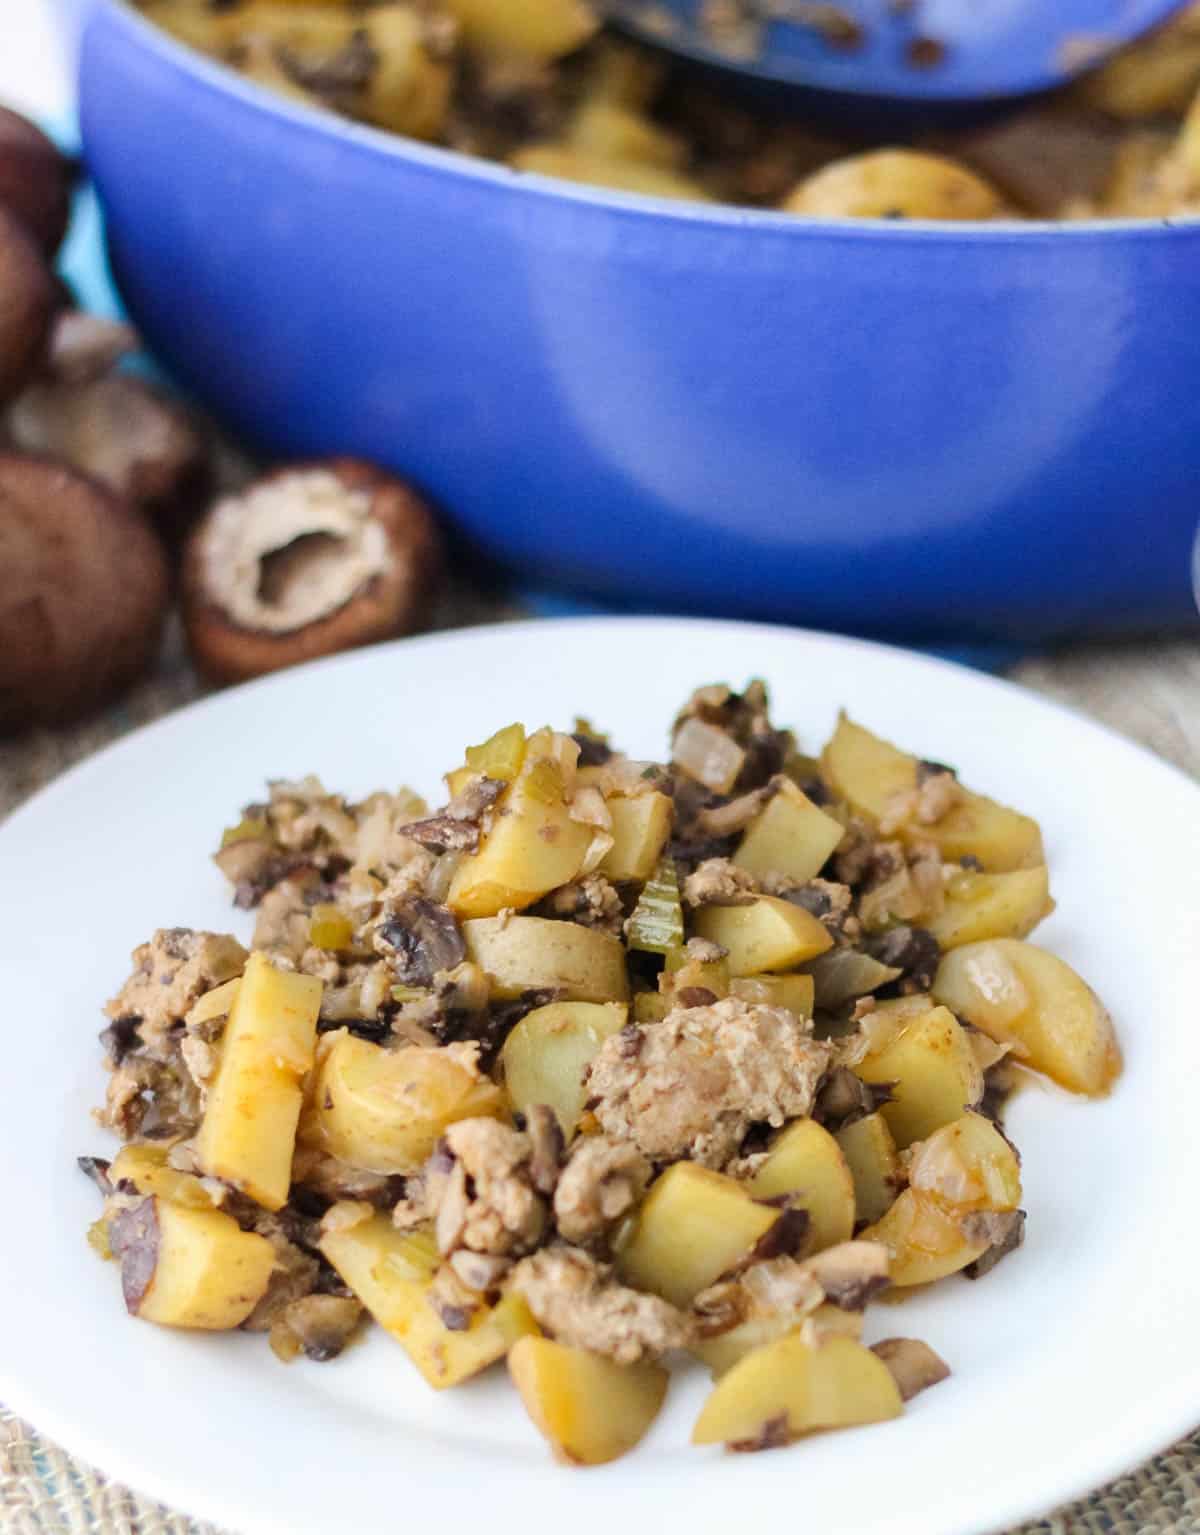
[
  {"x": 641, "y": 824},
  {"x": 248, "y": 1133},
  {"x": 870, "y": 774},
  {"x": 391, "y": 1271},
  {"x": 573, "y": 163},
  {"x": 1026, "y": 997},
  {"x": 725, "y": 1350},
  {"x": 789, "y": 1388},
  {"x": 789, "y": 836},
  {"x": 184, "y": 1267},
  {"x": 969, "y": 1165},
  {"x": 889, "y": 182},
  {"x": 146, "y": 1167},
  {"x": 217, "y": 1003},
  {"x": 767, "y": 934},
  {"x": 924, "y": 1239},
  {"x": 540, "y": 29},
  {"x": 384, "y": 1110},
  {"x": 693, "y": 1226},
  {"x": 650, "y": 1006},
  {"x": 870, "y": 1153},
  {"x": 805, "y": 1162},
  {"x": 982, "y": 906},
  {"x": 528, "y": 953},
  {"x": 591, "y": 1409},
  {"x": 933, "y": 1073},
  {"x": 795, "y": 992},
  {"x": 533, "y": 845},
  {"x": 546, "y": 1055}
]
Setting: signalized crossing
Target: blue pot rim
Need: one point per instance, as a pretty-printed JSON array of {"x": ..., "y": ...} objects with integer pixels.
[{"x": 223, "y": 80}]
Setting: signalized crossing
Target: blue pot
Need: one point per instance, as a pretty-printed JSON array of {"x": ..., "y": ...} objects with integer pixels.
[{"x": 906, "y": 429}]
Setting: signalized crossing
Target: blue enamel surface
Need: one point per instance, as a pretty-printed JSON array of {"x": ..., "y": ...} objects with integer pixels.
[
  {"x": 904, "y": 430},
  {"x": 987, "y": 47}
]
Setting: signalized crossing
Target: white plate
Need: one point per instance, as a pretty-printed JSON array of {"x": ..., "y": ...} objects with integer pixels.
[{"x": 1076, "y": 1359}]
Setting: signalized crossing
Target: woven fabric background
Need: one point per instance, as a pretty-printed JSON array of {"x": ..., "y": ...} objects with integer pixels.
[{"x": 1148, "y": 691}]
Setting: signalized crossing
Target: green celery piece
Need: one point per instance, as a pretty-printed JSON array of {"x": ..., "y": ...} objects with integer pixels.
[{"x": 656, "y": 925}]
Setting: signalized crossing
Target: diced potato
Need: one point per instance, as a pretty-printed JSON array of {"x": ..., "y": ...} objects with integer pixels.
[
  {"x": 185, "y": 1267},
  {"x": 572, "y": 163},
  {"x": 589, "y": 1408},
  {"x": 969, "y": 1165},
  {"x": 541, "y": 29},
  {"x": 248, "y": 1133},
  {"x": 789, "y": 836},
  {"x": 1029, "y": 998},
  {"x": 806, "y": 1162},
  {"x": 391, "y": 1271},
  {"x": 933, "y": 1073},
  {"x": 766, "y": 934},
  {"x": 870, "y": 1153},
  {"x": 789, "y": 1388},
  {"x": 546, "y": 1055},
  {"x": 725, "y": 1350},
  {"x": 650, "y": 1006},
  {"x": 924, "y": 1239},
  {"x": 885, "y": 183},
  {"x": 384, "y": 1110},
  {"x": 409, "y": 90},
  {"x": 693, "y": 1226},
  {"x": 795, "y": 992},
  {"x": 641, "y": 824},
  {"x": 534, "y": 846},
  {"x": 528, "y": 953},
  {"x": 869, "y": 774},
  {"x": 982, "y": 906},
  {"x": 147, "y": 1169},
  {"x": 217, "y": 1003},
  {"x": 617, "y": 131},
  {"x": 683, "y": 971}
]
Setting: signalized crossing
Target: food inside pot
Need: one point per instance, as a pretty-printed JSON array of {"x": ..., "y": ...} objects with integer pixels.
[
  {"x": 603, "y": 1063},
  {"x": 541, "y": 86}
]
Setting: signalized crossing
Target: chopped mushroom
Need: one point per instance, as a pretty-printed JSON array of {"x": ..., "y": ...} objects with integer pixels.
[
  {"x": 1004, "y": 1230},
  {"x": 419, "y": 938},
  {"x": 317, "y": 1326},
  {"x": 913, "y": 1365}
]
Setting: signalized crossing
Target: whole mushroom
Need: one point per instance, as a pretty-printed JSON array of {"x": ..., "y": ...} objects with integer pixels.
[
  {"x": 83, "y": 593},
  {"x": 311, "y": 559},
  {"x": 110, "y": 425},
  {"x": 35, "y": 180},
  {"x": 28, "y": 298}
]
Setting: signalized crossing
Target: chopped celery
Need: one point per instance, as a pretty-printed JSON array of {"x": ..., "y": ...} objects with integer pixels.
[
  {"x": 329, "y": 928},
  {"x": 656, "y": 925},
  {"x": 501, "y": 755},
  {"x": 251, "y": 828}
]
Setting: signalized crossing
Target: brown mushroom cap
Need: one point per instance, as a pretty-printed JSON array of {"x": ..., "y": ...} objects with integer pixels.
[
  {"x": 35, "y": 180},
  {"x": 28, "y": 298},
  {"x": 83, "y": 593},
  {"x": 311, "y": 559}
]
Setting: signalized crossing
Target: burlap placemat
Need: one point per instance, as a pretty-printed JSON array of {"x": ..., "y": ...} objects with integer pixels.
[{"x": 1150, "y": 692}]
